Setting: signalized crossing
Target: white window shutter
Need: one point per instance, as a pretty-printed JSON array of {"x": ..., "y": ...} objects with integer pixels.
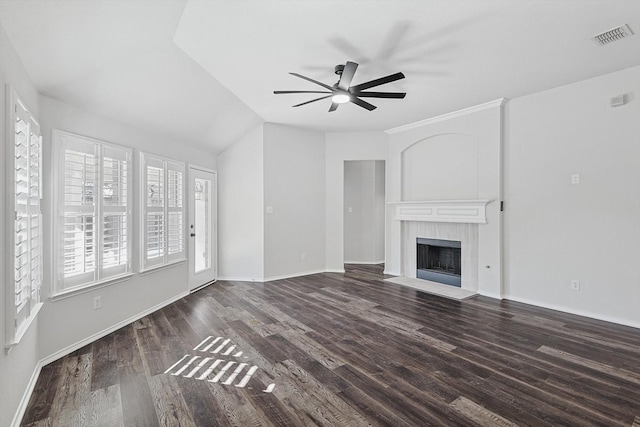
[
  {"x": 115, "y": 205},
  {"x": 95, "y": 211},
  {"x": 25, "y": 243},
  {"x": 79, "y": 208},
  {"x": 175, "y": 211},
  {"x": 163, "y": 211}
]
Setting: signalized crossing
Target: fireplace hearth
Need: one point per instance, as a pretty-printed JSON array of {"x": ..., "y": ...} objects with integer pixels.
[{"x": 439, "y": 261}]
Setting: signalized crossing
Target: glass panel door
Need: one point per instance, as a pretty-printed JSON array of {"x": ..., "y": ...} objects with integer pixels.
[{"x": 202, "y": 227}]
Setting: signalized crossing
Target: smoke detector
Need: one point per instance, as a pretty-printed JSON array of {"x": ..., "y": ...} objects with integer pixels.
[{"x": 612, "y": 35}]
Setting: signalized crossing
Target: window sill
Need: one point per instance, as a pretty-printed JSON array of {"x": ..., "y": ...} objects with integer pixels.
[
  {"x": 162, "y": 266},
  {"x": 88, "y": 288}
]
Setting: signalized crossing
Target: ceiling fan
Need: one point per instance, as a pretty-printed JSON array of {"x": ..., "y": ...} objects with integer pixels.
[{"x": 342, "y": 92}]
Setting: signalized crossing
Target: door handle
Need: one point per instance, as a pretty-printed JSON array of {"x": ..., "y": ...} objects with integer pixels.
[{"x": 193, "y": 234}]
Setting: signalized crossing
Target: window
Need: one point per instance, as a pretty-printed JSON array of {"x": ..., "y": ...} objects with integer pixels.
[
  {"x": 94, "y": 211},
  {"x": 162, "y": 222},
  {"x": 24, "y": 234}
]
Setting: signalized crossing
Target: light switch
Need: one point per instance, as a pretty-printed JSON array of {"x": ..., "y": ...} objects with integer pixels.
[
  {"x": 350, "y": 209},
  {"x": 269, "y": 209}
]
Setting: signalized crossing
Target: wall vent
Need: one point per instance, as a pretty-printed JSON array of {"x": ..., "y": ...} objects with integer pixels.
[{"x": 612, "y": 35}]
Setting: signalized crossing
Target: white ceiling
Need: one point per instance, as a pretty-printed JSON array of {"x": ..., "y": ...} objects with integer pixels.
[{"x": 203, "y": 72}]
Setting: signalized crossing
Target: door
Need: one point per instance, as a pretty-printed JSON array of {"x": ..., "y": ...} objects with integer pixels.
[{"x": 203, "y": 226}]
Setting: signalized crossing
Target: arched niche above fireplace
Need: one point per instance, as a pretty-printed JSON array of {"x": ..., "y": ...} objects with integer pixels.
[{"x": 443, "y": 166}]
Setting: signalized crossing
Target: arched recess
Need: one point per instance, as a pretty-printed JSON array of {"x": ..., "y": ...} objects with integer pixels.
[{"x": 441, "y": 167}]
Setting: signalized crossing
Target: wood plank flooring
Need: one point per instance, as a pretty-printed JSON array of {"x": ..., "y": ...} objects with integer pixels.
[{"x": 345, "y": 350}]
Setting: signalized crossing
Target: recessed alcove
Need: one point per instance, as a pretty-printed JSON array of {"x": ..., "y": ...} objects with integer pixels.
[{"x": 441, "y": 167}]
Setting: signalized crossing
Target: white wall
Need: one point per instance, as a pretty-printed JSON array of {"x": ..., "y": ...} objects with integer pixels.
[
  {"x": 240, "y": 205},
  {"x": 17, "y": 367},
  {"x": 364, "y": 207},
  {"x": 281, "y": 167},
  {"x": 380, "y": 207},
  {"x": 294, "y": 189},
  {"x": 556, "y": 231},
  {"x": 340, "y": 147}
]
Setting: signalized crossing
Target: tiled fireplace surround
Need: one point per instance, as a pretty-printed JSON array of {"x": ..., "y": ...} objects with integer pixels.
[
  {"x": 467, "y": 234},
  {"x": 456, "y": 220}
]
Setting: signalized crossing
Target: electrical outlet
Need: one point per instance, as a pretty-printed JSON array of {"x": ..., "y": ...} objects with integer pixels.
[
  {"x": 575, "y": 285},
  {"x": 575, "y": 178},
  {"x": 303, "y": 256},
  {"x": 97, "y": 303}
]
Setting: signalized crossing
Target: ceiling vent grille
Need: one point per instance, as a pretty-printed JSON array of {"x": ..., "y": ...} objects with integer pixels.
[{"x": 612, "y": 35}]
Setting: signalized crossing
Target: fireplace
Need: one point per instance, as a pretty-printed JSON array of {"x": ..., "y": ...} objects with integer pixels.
[{"x": 439, "y": 261}]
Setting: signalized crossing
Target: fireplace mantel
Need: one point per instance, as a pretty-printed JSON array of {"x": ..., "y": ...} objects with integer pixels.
[{"x": 460, "y": 211}]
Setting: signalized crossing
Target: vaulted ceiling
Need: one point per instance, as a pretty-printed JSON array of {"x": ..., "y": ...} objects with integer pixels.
[{"x": 204, "y": 72}]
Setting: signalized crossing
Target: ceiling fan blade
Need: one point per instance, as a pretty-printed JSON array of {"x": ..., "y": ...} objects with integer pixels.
[
  {"x": 334, "y": 106},
  {"x": 394, "y": 95},
  {"x": 376, "y": 82},
  {"x": 347, "y": 75},
  {"x": 279, "y": 92},
  {"x": 312, "y": 81},
  {"x": 313, "y": 100},
  {"x": 362, "y": 103}
]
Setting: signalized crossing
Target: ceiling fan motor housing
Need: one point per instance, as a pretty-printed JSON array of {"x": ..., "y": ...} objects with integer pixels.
[{"x": 339, "y": 69}]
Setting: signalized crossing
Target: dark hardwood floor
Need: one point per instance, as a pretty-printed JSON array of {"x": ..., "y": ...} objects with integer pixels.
[{"x": 345, "y": 350}]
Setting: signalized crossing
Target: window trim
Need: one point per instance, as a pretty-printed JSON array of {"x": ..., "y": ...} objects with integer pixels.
[
  {"x": 58, "y": 290},
  {"x": 167, "y": 259},
  {"x": 97, "y": 285},
  {"x": 14, "y": 331}
]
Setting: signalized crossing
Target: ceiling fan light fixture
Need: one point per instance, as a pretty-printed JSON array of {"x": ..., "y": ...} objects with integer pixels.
[{"x": 341, "y": 98}]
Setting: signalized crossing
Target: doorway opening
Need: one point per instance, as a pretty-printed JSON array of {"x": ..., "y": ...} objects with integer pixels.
[{"x": 364, "y": 211}]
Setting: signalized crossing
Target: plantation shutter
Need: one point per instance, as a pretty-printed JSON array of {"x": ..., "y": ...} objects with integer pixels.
[
  {"x": 175, "y": 211},
  {"x": 26, "y": 154},
  {"x": 28, "y": 219},
  {"x": 95, "y": 211},
  {"x": 154, "y": 211},
  {"x": 115, "y": 235},
  {"x": 80, "y": 208},
  {"x": 163, "y": 211}
]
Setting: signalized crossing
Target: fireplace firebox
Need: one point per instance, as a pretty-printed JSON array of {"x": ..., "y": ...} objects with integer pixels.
[{"x": 439, "y": 261}]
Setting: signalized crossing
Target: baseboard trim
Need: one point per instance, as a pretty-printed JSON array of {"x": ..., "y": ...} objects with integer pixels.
[
  {"x": 272, "y": 278},
  {"x": 365, "y": 262},
  {"x": 337, "y": 270},
  {"x": 609, "y": 319},
  {"x": 391, "y": 273},
  {"x": 203, "y": 286},
  {"x": 22, "y": 407},
  {"x": 289, "y": 276},
  {"x": 239, "y": 279},
  {"x": 490, "y": 294}
]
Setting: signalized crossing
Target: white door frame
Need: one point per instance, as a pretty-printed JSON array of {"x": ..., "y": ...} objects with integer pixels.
[{"x": 197, "y": 281}]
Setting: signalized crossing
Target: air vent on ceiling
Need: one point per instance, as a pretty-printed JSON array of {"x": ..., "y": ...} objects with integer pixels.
[{"x": 612, "y": 35}]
